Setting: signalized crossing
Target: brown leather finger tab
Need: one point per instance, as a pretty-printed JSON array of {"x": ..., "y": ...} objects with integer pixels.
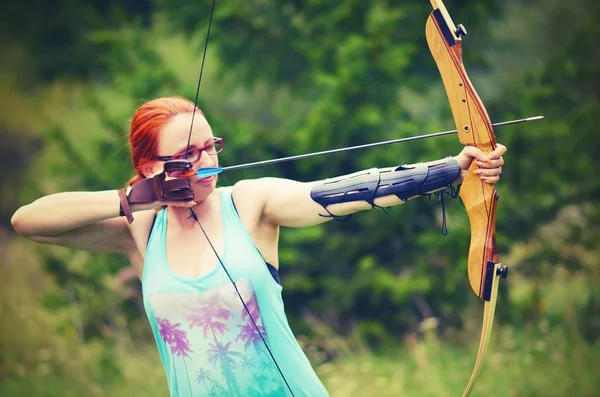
[
  {"x": 181, "y": 195},
  {"x": 142, "y": 192},
  {"x": 125, "y": 210},
  {"x": 177, "y": 184},
  {"x": 158, "y": 186},
  {"x": 178, "y": 190},
  {"x": 155, "y": 189}
]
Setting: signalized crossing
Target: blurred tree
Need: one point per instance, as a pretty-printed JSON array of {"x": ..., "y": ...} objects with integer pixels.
[
  {"x": 58, "y": 36},
  {"x": 285, "y": 78},
  {"x": 16, "y": 154},
  {"x": 552, "y": 201}
]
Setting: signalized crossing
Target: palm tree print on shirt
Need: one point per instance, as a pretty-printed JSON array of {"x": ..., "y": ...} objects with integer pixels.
[
  {"x": 249, "y": 333},
  {"x": 229, "y": 357},
  {"x": 210, "y": 315},
  {"x": 177, "y": 341},
  {"x": 225, "y": 358},
  {"x": 213, "y": 388}
]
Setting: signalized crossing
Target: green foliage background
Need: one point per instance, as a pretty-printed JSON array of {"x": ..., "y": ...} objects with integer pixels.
[{"x": 380, "y": 302}]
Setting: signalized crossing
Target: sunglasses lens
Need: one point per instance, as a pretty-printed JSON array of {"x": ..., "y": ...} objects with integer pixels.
[{"x": 194, "y": 155}]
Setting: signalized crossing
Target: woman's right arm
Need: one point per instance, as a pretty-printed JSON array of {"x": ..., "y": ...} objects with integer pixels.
[{"x": 83, "y": 220}]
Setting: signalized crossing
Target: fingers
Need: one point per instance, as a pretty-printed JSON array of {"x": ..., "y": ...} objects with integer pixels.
[
  {"x": 489, "y": 160},
  {"x": 480, "y": 155},
  {"x": 498, "y": 152},
  {"x": 489, "y": 164},
  {"x": 184, "y": 204},
  {"x": 491, "y": 175},
  {"x": 476, "y": 153},
  {"x": 497, "y": 163},
  {"x": 490, "y": 179}
]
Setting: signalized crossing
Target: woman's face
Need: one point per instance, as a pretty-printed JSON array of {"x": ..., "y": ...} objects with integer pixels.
[{"x": 173, "y": 141}]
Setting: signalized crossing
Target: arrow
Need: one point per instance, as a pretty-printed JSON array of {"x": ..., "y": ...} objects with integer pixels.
[{"x": 209, "y": 171}]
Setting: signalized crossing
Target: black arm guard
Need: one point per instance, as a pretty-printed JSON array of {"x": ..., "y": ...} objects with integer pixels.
[{"x": 405, "y": 181}]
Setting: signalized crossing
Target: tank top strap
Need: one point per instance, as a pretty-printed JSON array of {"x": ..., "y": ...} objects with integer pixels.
[
  {"x": 155, "y": 248},
  {"x": 227, "y": 206},
  {"x": 231, "y": 218}
]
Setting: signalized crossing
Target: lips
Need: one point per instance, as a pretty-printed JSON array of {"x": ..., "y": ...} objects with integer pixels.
[{"x": 206, "y": 180}]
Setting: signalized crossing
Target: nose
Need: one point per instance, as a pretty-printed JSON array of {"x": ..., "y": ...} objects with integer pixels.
[{"x": 206, "y": 160}]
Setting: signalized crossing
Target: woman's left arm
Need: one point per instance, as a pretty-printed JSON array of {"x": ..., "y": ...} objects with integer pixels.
[{"x": 289, "y": 203}]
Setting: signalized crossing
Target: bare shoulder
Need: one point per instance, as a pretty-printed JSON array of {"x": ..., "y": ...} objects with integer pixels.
[
  {"x": 281, "y": 202},
  {"x": 249, "y": 197},
  {"x": 259, "y": 190}
]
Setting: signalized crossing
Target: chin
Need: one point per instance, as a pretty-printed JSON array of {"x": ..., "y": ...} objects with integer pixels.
[{"x": 204, "y": 187}]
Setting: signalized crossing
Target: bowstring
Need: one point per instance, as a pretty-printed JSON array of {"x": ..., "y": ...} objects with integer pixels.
[
  {"x": 195, "y": 217},
  {"x": 212, "y": 10},
  {"x": 242, "y": 300}
]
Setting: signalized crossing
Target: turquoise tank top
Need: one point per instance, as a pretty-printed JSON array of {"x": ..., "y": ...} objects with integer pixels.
[{"x": 207, "y": 342}]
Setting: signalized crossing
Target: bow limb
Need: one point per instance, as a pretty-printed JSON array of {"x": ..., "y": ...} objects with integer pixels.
[
  {"x": 489, "y": 310},
  {"x": 480, "y": 199}
]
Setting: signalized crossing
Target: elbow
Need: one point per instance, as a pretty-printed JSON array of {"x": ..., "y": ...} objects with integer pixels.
[
  {"x": 19, "y": 223},
  {"x": 22, "y": 223}
]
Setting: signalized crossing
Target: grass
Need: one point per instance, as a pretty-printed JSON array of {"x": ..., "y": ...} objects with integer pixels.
[
  {"x": 518, "y": 364},
  {"x": 42, "y": 355}
]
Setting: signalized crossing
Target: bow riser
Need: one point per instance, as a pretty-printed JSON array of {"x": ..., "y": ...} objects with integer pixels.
[
  {"x": 481, "y": 204},
  {"x": 475, "y": 129}
]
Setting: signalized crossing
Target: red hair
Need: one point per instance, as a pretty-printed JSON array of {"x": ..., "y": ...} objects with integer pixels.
[{"x": 145, "y": 126}]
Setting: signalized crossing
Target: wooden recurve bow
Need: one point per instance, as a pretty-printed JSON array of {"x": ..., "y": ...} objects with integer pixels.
[{"x": 480, "y": 199}]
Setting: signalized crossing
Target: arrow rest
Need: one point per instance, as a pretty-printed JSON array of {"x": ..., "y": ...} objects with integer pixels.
[
  {"x": 460, "y": 30},
  {"x": 502, "y": 271}
]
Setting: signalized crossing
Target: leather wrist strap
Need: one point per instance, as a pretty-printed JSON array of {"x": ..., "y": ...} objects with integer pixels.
[{"x": 125, "y": 210}]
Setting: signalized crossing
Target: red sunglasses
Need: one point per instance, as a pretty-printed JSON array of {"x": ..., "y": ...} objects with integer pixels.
[{"x": 194, "y": 154}]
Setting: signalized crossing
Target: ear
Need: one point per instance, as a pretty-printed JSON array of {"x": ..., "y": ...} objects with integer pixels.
[{"x": 150, "y": 169}]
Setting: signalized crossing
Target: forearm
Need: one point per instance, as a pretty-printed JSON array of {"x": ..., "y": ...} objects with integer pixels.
[
  {"x": 384, "y": 187},
  {"x": 58, "y": 213}
]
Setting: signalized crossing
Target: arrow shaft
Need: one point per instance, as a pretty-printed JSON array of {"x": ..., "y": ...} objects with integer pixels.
[{"x": 365, "y": 146}]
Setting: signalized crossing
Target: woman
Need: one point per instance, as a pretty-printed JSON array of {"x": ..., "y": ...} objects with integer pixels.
[{"x": 210, "y": 284}]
